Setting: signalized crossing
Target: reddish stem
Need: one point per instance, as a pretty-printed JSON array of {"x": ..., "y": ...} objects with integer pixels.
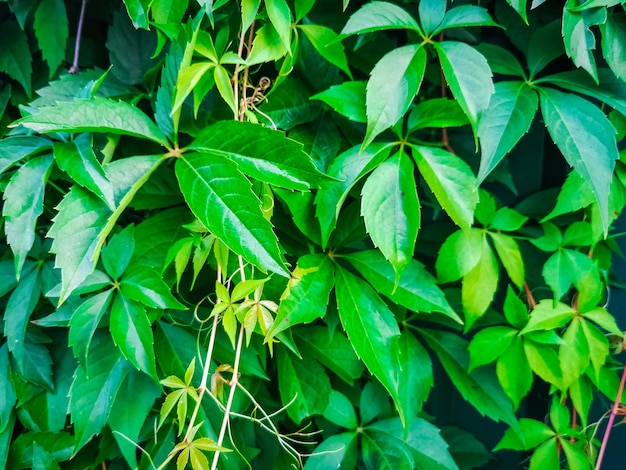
[
  {"x": 609, "y": 425},
  {"x": 529, "y": 296}
]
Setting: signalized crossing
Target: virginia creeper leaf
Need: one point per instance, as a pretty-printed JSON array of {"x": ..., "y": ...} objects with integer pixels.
[
  {"x": 147, "y": 286},
  {"x": 464, "y": 16},
  {"x": 15, "y": 58},
  {"x": 431, "y": 12},
  {"x": 459, "y": 254},
  {"x": 579, "y": 40},
  {"x": 51, "y": 29},
  {"x": 280, "y": 16},
  {"x": 436, "y": 112},
  {"x": 348, "y": 99},
  {"x": 13, "y": 149},
  {"x": 514, "y": 373},
  {"x": 614, "y": 43},
  {"x": 480, "y": 285},
  {"x": 377, "y": 16},
  {"x": 326, "y": 42}
]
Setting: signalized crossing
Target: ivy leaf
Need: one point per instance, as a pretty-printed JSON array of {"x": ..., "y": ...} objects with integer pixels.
[
  {"x": 510, "y": 257},
  {"x": 262, "y": 153},
  {"x": 94, "y": 389},
  {"x": 514, "y": 372},
  {"x": 131, "y": 331},
  {"x": 382, "y": 450},
  {"x": 117, "y": 254},
  {"x": 138, "y": 12},
  {"x": 545, "y": 45},
  {"x": 147, "y": 286},
  {"x": 15, "y": 56},
  {"x": 436, "y": 112},
  {"x": 416, "y": 289},
  {"x": 586, "y": 138},
  {"x": 348, "y": 99},
  {"x": 393, "y": 83},
  {"x": 459, "y": 254},
  {"x": 84, "y": 322},
  {"x": 547, "y": 316},
  {"x": 23, "y": 204},
  {"x": 280, "y": 16},
  {"x": 304, "y": 384},
  {"x": 377, "y": 16},
  {"x": 13, "y": 149},
  {"x": 326, "y": 42},
  {"x": 416, "y": 374},
  {"x": 334, "y": 452},
  {"x": 372, "y": 330},
  {"x": 307, "y": 293},
  {"x": 480, "y": 285},
  {"x": 346, "y": 169},
  {"x": 508, "y": 117},
  {"x": 480, "y": 388},
  {"x": 465, "y": 16},
  {"x": 614, "y": 43},
  {"x": 78, "y": 159},
  {"x": 431, "y": 12},
  {"x": 390, "y": 207},
  {"x": 579, "y": 40},
  {"x": 451, "y": 180},
  {"x": 94, "y": 115},
  {"x": 51, "y": 29},
  {"x": 489, "y": 344},
  {"x": 468, "y": 75},
  {"x": 222, "y": 199},
  {"x": 340, "y": 411}
]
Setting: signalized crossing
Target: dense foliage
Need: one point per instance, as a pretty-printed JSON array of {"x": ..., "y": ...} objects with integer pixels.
[{"x": 273, "y": 234}]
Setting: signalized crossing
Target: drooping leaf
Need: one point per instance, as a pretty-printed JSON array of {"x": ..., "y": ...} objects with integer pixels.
[
  {"x": 94, "y": 389},
  {"x": 509, "y": 116},
  {"x": 377, "y": 16},
  {"x": 390, "y": 207},
  {"x": 15, "y": 58},
  {"x": 118, "y": 252},
  {"x": 303, "y": 383},
  {"x": 78, "y": 159},
  {"x": 451, "y": 180},
  {"x": 393, "y": 83},
  {"x": 222, "y": 198},
  {"x": 468, "y": 75},
  {"x": 586, "y": 138},
  {"x": 347, "y": 169},
  {"x": 372, "y": 329},
  {"x": 94, "y": 115},
  {"x": 260, "y": 152},
  {"x": 416, "y": 289},
  {"x": 23, "y": 204},
  {"x": 51, "y": 28},
  {"x": 138, "y": 12},
  {"x": 514, "y": 372},
  {"x": 307, "y": 293}
]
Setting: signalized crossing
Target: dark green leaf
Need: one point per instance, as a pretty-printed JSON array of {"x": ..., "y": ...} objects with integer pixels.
[
  {"x": 51, "y": 28},
  {"x": 23, "y": 204},
  {"x": 222, "y": 198},
  {"x": 13, "y": 149},
  {"x": 303, "y": 384},
  {"x": 393, "y": 83},
  {"x": 348, "y": 99},
  {"x": 59, "y": 446},
  {"x": 586, "y": 138},
  {"x": 340, "y": 411},
  {"x": 94, "y": 389},
  {"x": 306, "y": 296},
  {"x": 391, "y": 210},
  {"x": 436, "y": 112},
  {"x": 545, "y": 45},
  {"x": 384, "y": 451},
  {"x": 7, "y": 390},
  {"x": 377, "y": 16},
  {"x": 78, "y": 159},
  {"x": 336, "y": 451},
  {"x": 579, "y": 40},
  {"x": 94, "y": 115},
  {"x": 84, "y": 322},
  {"x": 325, "y": 41},
  {"x": 614, "y": 43},
  {"x": 501, "y": 60},
  {"x": 15, "y": 56},
  {"x": 147, "y": 286},
  {"x": 131, "y": 331},
  {"x": 287, "y": 106},
  {"x": 415, "y": 374},
  {"x": 118, "y": 252}
]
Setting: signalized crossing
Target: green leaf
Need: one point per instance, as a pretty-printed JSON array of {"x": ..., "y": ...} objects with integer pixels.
[
  {"x": 424, "y": 441},
  {"x": 465, "y": 447},
  {"x": 7, "y": 390},
  {"x": 132, "y": 332},
  {"x": 94, "y": 389},
  {"x": 78, "y": 159},
  {"x": 288, "y": 105},
  {"x": 384, "y": 451},
  {"x": 118, "y": 252},
  {"x": 436, "y": 112},
  {"x": 304, "y": 384},
  {"x": 416, "y": 289},
  {"x": 508, "y": 117},
  {"x": 377, "y": 16},
  {"x": 468, "y": 75},
  {"x": 598, "y": 345},
  {"x": 520, "y": 8},
  {"x": 451, "y": 180},
  {"x": 564, "y": 268},
  {"x": 514, "y": 372},
  {"x": 94, "y": 115},
  {"x": 23, "y": 204},
  {"x": 307, "y": 293},
  {"x": 545, "y": 456},
  {"x": 138, "y": 12},
  {"x": 464, "y": 16},
  {"x": 604, "y": 319},
  {"x": 84, "y": 322},
  {"x": 480, "y": 388},
  {"x": 431, "y": 12},
  {"x": 280, "y": 16},
  {"x": 340, "y": 411},
  {"x": 545, "y": 45},
  {"x": 222, "y": 199},
  {"x": 459, "y": 254},
  {"x": 515, "y": 311},
  {"x": 614, "y": 43},
  {"x": 586, "y": 138},
  {"x": 393, "y": 83},
  {"x": 574, "y": 353},
  {"x": 547, "y": 316},
  {"x": 149, "y": 288},
  {"x": 579, "y": 40},
  {"x": 489, "y": 344},
  {"x": 267, "y": 46},
  {"x": 391, "y": 209},
  {"x": 336, "y": 451},
  {"x": 57, "y": 446},
  {"x": 415, "y": 376},
  {"x": 326, "y": 42},
  {"x": 507, "y": 219},
  {"x": 130, "y": 411},
  {"x": 530, "y": 434},
  {"x": 262, "y": 153},
  {"x": 544, "y": 362},
  {"x": 332, "y": 349},
  {"x": 348, "y": 99},
  {"x": 372, "y": 330},
  {"x": 510, "y": 257},
  {"x": 13, "y": 149},
  {"x": 15, "y": 58},
  {"x": 347, "y": 168},
  {"x": 501, "y": 60},
  {"x": 51, "y": 29}
]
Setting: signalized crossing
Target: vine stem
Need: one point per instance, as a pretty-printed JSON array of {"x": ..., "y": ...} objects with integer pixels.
[
  {"x": 79, "y": 32},
  {"x": 609, "y": 425}
]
